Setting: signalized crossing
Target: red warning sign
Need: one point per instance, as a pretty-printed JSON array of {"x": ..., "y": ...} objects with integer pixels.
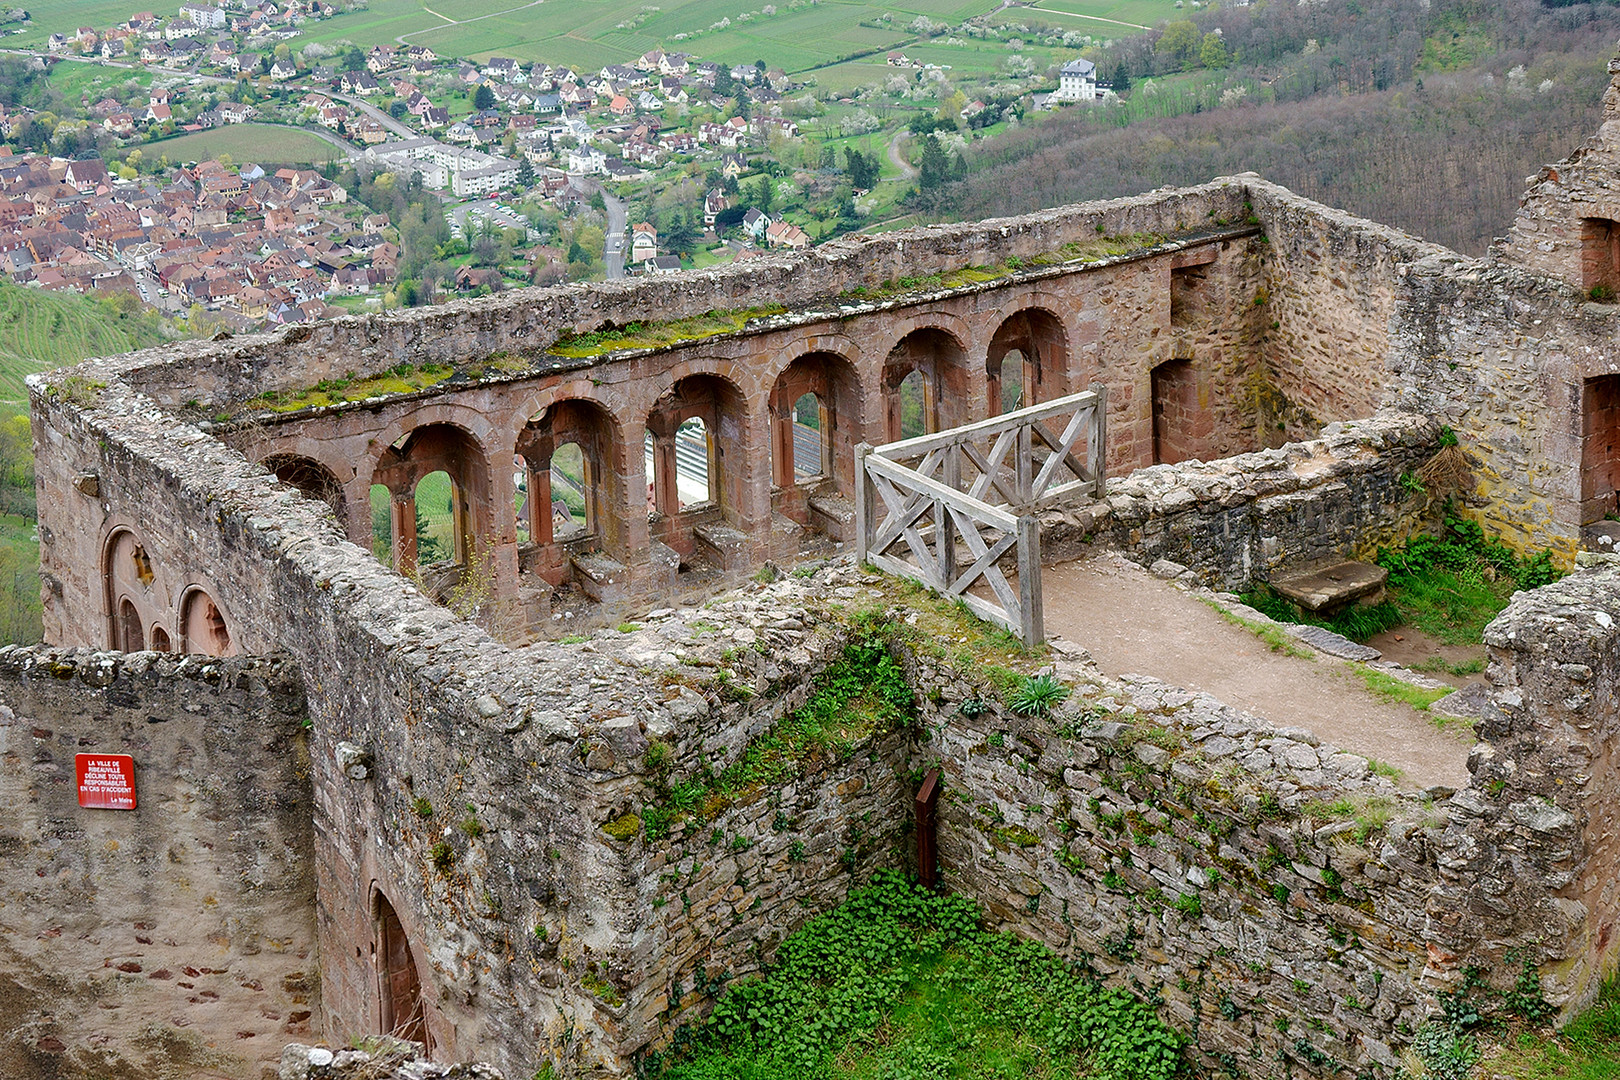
[{"x": 106, "y": 781}]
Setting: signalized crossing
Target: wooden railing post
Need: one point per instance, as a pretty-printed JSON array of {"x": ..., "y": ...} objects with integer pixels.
[
  {"x": 1097, "y": 440},
  {"x": 865, "y": 516},
  {"x": 1031, "y": 622},
  {"x": 944, "y": 527}
]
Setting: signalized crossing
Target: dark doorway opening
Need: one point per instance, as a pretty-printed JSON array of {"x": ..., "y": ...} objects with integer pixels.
[{"x": 402, "y": 1014}]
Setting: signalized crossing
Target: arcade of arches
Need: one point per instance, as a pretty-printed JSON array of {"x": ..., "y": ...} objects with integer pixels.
[
  {"x": 668, "y": 474},
  {"x": 147, "y": 610}
]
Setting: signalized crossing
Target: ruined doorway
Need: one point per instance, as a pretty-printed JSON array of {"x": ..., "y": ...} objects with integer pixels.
[
  {"x": 401, "y": 986},
  {"x": 203, "y": 628},
  {"x": 131, "y": 638},
  {"x": 1600, "y": 447},
  {"x": 1600, "y": 258},
  {"x": 1178, "y": 422}
]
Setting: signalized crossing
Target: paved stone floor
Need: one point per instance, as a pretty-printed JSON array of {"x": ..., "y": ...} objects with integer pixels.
[{"x": 1133, "y": 623}]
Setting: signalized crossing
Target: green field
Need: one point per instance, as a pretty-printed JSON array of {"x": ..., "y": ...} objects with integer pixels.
[
  {"x": 591, "y": 33},
  {"x": 261, "y": 143},
  {"x": 40, "y": 330},
  {"x": 66, "y": 16},
  {"x": 74, "y": 79}
]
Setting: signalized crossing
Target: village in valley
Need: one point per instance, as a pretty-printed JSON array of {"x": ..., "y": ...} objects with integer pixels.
[{"x": 370, "y": 178}]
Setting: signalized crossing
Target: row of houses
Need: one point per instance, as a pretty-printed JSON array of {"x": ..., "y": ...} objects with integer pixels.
[{"x": 255, "y": 246}]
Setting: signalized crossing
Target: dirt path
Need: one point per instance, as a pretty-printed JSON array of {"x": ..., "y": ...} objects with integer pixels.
[
  {"x": 908, "y": 171},
  {"x": 1133, "y": 623}
]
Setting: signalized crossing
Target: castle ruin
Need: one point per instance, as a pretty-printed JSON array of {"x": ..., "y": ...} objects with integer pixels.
[{"x": 415, "y": 797}]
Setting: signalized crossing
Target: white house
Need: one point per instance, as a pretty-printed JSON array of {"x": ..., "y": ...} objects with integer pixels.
[
  {"x": 643, "y": 242},
  {"x": 1077, "y": 81}
]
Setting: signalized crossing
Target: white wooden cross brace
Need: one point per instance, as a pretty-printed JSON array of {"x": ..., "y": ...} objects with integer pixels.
[
  {"x": 1060, "y": 452},
  {"x": 902, "y": 511},
  {"x": 985, "y": 561}
]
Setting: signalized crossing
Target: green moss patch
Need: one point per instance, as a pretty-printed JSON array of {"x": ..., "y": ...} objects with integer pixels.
[
  {"x": 660, "y": 335},
  {"x": 624, "y": 827},
  {"x": 860, "y": 694},
  {"x": 402, "y": 379}
]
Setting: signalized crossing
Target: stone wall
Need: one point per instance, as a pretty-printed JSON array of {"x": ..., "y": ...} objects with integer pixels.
[
  {"x": 1188, "y": 851},
  {"x": 525, "y": 321},
  {"x": 1563, "y": 225},
  {"x": 1237, "y": 521},
  {"x": 1530, "y": 857},
  {"x": 1329, "y": 293},
  {"x": 1503, "y": 357},
  {"x": 177, "y": 938}
]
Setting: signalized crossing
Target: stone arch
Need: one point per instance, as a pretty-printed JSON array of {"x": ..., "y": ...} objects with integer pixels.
[
  {"x": 402, "y": 1010},
  {"x": 1035, "y": 337},
  {"x": 160, "y": 640},
  {"x": 134, "y": 598},
  {"x": 833, "y": 380},
  {"x": 429, "y": 448},
  {"x": 721, "y": 405},
  {"x": 589, "y": 425},
  {"x": 309, "y": 476},
  {"x": 939, "y": 356},
  {"x": 203, "y": 626}
]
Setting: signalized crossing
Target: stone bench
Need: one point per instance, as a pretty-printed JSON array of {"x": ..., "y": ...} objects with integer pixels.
[{"x": 1325, "y": 590}]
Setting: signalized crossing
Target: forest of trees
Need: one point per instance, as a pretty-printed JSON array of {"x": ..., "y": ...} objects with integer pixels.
[{"x": 1427, "y": 120}]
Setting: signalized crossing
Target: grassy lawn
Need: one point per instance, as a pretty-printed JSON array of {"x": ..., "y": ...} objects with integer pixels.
[
  {"x": 260, "y": 143},
  {"x": 66, "y": 16},
  {"x": 1082, "y": 12},
  {"x": 74, "y": 79},
  {"x": 1448, "y": 586},
  {"x": 589, "y": 33}
]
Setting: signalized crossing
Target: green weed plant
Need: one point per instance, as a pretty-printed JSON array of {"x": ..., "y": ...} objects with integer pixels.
[{"x": 900, "y": 982}]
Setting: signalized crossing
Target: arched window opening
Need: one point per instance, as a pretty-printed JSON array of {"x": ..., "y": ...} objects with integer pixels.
[
  {"x": 917, "y": 414},
  {"x": 926, "y": 384},
  {"x": 809, "y": 440},
  {"x": 1028, "y": 361},
  {"x": 573, "y": 488},
  {"x": 522, "y": 511},
  {"x": 572, "y": 514},
  {"x": 439, "y": 483},
  {"x": 130, "y": 636},
  {"x": 160, "y": 640},
  {"x": 203, "y": 628},
  {"x": 310, "y": 477},
  {"x": 438, "y": 520},
  {"x": 694, "y": 455},
  {"x": 654, "y": 470},
  {"x": 1007, "y": 382},
  {"x": 815, "y": 411},
  {"x": 382, "y": 524}
]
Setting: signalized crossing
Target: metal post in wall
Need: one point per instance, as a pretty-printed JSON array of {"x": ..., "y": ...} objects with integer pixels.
[{"x": 927, "y": 831}]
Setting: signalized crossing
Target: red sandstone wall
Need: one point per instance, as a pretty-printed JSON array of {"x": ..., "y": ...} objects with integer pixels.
[{"x": 177, "y": 938}]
